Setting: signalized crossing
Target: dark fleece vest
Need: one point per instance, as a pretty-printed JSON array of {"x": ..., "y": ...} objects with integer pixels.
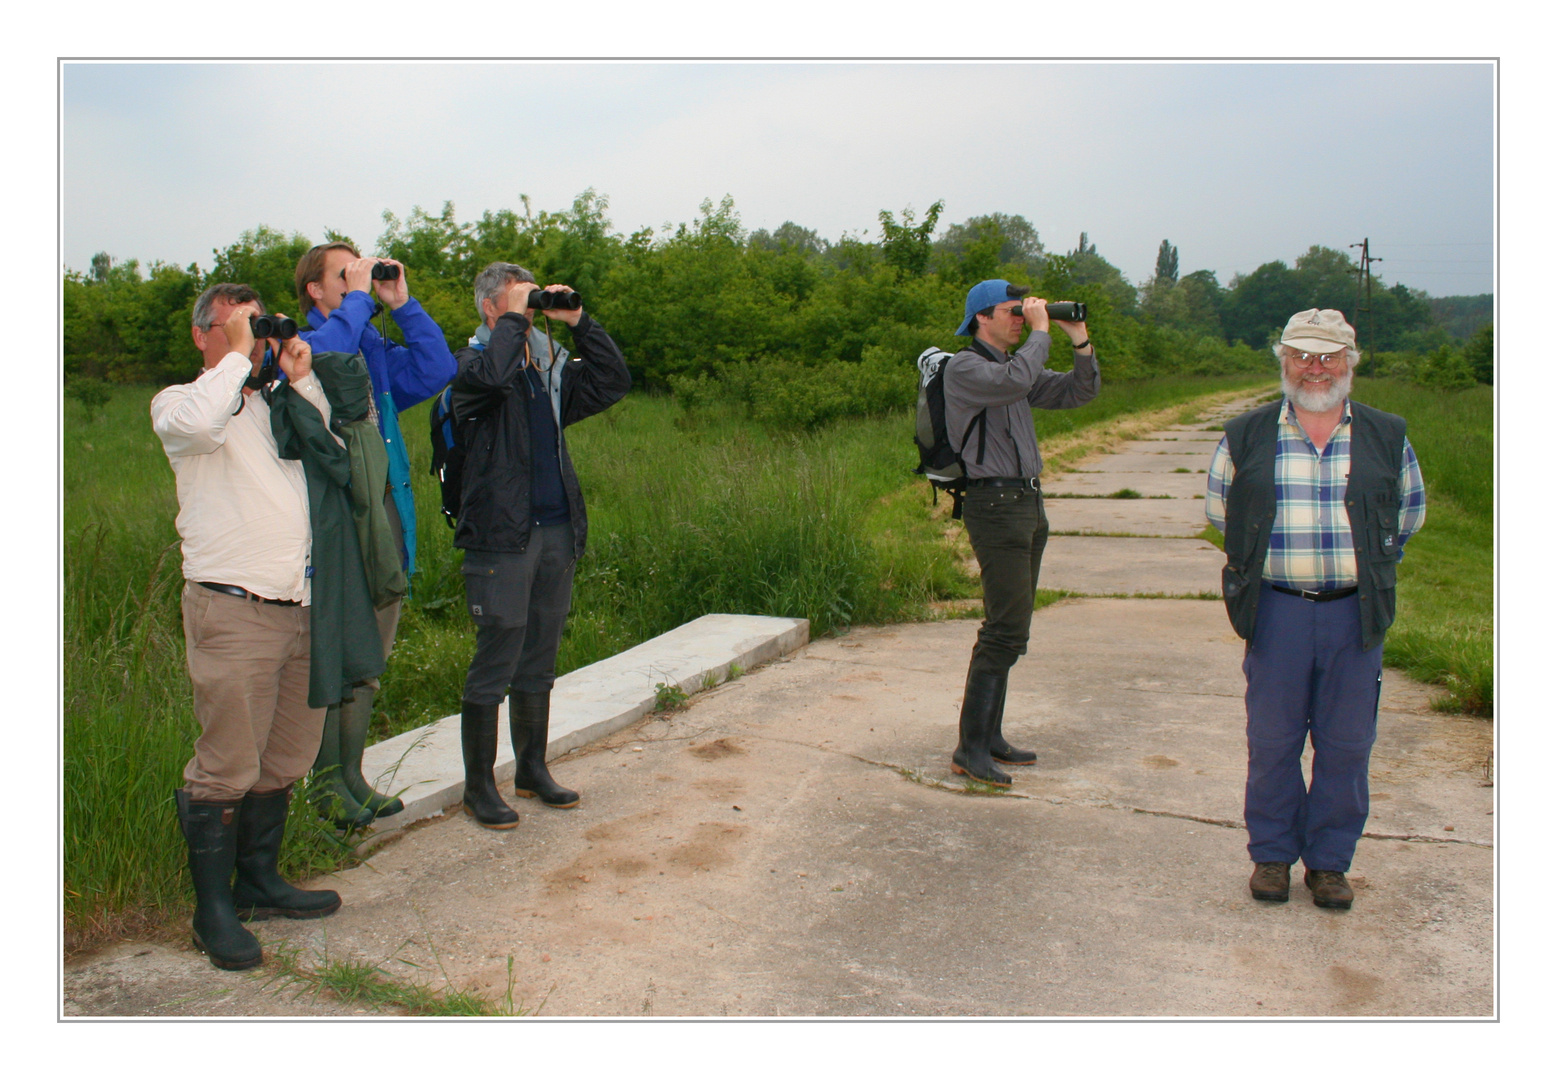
[{"x": 1372, "y": 507}]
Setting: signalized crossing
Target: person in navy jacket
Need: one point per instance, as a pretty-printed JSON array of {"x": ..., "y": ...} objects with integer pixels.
[{"x": 335, "y": 288}]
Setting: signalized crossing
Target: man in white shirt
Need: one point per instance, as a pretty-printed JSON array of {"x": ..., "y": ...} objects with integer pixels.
[{"x": 243, "y": 519}]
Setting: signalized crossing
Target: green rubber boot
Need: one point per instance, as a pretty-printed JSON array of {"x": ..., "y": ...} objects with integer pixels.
[
  {"x": 329, "y": 792},
  {"x": 355, "y": 716}
]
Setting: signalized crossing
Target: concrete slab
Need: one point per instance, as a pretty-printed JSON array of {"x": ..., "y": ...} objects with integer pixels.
[
  {"x": 1167, "y": 447},
  {"x": 426, "y": 767},
  {"x": 1185, "y": 437},
  {"x": 1158, "y": 462},
  {"x": 795, "y": 844},
  {"x": 1110, "y": 565},
  {"x": 1140, "y": 517},
  {"x": 1178, "y": 485}
]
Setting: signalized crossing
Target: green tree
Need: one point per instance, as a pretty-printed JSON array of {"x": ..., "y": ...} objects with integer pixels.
[
  {"x": 1087, "y": 267},
  {"x": 1167, "y": 263},
  {"x": 1192, "y": 304},
  {"x": 1462, "y": 316},
  {"x": 93, "y": 394},
  {"x": 120, "y": 326},
  {"x": 1259, "y": 304},
  {"x": 1479, "y": 354},
  {"x": 976, "y": 249},
  {"x": 789, "y": 235},
  {"x": 264, "y": 259},
  {"x": 906, "y": 247}
]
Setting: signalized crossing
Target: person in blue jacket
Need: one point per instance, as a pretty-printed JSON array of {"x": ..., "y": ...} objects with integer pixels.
[{"x": 335, "y": 288}]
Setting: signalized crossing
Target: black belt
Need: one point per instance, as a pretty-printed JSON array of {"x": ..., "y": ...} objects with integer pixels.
[
  {"x": 1317, "y": 596},
  {"x": 1028, "y": 482},
  {"x": 243, "y": 594}
]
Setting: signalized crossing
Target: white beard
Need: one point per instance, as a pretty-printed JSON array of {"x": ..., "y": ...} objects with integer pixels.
[{"x": 1311, "y": 397}]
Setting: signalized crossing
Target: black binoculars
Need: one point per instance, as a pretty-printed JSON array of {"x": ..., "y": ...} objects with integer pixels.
[
  {"x": 1067, "y": 311},
  {"x": 567, "y": 301},
  {"x": 382, "y": 271},
  {"x": 272, "y": 326}
]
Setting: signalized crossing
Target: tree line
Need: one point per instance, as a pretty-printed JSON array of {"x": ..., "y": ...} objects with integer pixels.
[{"x": 797, "y": 327}]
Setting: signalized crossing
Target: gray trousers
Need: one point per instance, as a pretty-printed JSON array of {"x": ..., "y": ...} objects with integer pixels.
[
  {"x": 1008, "y": 530},
  {"x": 519, "y": 603}
]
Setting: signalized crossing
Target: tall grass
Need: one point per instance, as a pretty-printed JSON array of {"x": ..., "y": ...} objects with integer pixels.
[
  {"x": 1443, "y": 631},
  {"x": 688, "y": 515},
  {"x": 128, "y": 717}
]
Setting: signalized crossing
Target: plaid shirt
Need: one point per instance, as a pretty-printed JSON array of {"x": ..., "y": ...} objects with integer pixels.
[{"x": 1311, "y": 541}]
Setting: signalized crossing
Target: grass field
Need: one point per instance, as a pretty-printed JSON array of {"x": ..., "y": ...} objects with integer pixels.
[
  {"x": 1443, "y": 630},
  {"x": 686, "y": 517}
]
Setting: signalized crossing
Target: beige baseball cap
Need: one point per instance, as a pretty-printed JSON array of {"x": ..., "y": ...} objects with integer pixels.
[{"x": 1319, "y": 331}]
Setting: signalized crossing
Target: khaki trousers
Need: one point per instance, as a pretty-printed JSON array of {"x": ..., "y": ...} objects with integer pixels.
[{"x": 248, "y": 664}]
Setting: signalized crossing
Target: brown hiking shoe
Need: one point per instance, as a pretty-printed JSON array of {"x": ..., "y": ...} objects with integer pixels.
[
  {"x": 1329, "y": 888},
  {"x": 1271, "y": 881}
]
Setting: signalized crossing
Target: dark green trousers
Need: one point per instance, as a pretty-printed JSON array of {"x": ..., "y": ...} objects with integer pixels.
[{"x": 1008, "y": 530}]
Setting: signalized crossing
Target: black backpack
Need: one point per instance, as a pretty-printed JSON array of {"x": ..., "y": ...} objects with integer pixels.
[
  {"x": 448, "y": 453},
  {"x": 938, "y": 462}
]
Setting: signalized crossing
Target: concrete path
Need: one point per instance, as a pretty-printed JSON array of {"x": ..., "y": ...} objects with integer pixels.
[
  {"x": 1146, "y": 544},
  {"x": 794, "y": 843}
]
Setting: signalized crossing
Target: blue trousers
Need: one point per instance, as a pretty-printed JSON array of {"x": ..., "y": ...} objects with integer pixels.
[{"x": 1309, "y": 679}]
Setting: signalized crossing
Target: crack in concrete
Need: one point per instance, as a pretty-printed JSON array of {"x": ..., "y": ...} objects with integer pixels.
[
  {"x": 1181, "y": 693},
  {"x": 975, "y": 787}
]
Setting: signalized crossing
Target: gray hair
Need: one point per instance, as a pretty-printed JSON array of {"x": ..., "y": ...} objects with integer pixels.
[
  {"x": 495, "y": 279},
  {"x": 1353, "y": 357},
  {"x": 233, "y": 294}
]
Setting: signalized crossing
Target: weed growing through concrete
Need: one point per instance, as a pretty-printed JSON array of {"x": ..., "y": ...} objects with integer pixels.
[
  {"x": 668, "y": 697},
  {"x": 357, "y": 982}
]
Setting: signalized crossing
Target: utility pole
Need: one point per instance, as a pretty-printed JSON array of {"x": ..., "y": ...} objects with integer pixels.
[{"x": 1365, "y": 287}]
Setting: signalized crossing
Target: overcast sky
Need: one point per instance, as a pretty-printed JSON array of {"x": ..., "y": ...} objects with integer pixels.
[{"x": 1236, "y": 163}]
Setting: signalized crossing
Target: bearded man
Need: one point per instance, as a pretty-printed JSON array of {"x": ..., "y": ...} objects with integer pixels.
[{"x": 1316, "y": 495}]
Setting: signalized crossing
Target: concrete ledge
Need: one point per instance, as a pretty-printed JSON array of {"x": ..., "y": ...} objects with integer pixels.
[{"x": 426, "y": 767}]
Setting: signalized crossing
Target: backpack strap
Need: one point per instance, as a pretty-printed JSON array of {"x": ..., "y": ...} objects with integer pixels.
[{"x": 982, "y": 420}]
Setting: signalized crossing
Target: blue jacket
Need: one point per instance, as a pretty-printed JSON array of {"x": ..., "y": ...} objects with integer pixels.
[{"x": 402, "y": 375}]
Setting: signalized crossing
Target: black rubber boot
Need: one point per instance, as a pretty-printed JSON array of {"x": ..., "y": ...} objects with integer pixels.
[
  {"x": 211, "y": 831},
  {"x": 529, "y": 721},
  {"x": 260, "y": 892},
  {"x": 356, "y": 715},
  {"x": 478, "y": 738},
  {"x": 999, "y": 749},
  {"x": 980, "y": 700},
  {"x": 329, "y": 792}
]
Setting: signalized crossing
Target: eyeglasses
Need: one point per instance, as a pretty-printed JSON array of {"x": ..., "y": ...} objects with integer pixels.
[
  {"x": 1329, "y": 360},
  {"x": 1017, "y": 311}
]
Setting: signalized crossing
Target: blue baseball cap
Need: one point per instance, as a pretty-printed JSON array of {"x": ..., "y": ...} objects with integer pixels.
[{"x": 987, "y": 294}]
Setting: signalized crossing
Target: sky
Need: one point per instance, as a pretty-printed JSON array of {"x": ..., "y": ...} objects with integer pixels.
[{"x": 1236, "y": 163}]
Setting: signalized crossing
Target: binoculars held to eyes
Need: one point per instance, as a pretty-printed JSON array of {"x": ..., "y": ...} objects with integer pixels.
[
  {"x": 382, "y": 271},
  {"x": 545, "y": 301},
  {"x": 272, "y": 326},
  {"x": 1067, "y": 311}
]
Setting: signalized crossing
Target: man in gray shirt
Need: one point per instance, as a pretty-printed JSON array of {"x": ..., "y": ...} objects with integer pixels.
[{"x": 994, "y": 392}]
